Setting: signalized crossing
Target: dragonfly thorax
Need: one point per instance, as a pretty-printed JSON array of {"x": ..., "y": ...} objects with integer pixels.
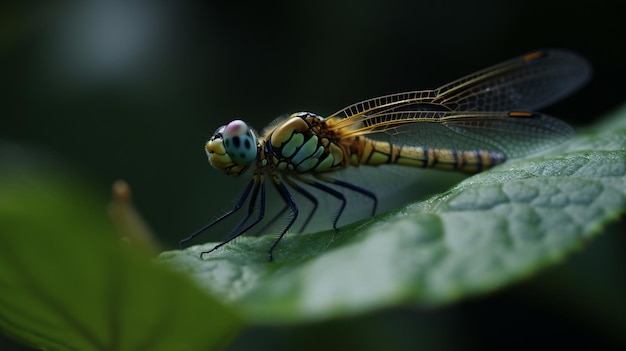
[
  {"x": 303, "y": 143},
  {"x": 232, "y": 148}
]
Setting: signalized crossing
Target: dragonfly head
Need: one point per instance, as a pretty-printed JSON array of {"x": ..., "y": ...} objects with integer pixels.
[{"x": 232, "y": 148}]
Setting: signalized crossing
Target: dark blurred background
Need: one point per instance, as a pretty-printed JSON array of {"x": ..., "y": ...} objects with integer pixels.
[{"x": 132, "y": 89}]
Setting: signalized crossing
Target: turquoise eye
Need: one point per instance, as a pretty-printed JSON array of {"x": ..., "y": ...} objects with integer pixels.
[{"x": 240, "y": 142}]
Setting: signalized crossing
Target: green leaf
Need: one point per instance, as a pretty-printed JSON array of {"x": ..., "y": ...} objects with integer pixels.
[
  {"x": 66, "y": 283},
  {"x": 488, "y": 231}
]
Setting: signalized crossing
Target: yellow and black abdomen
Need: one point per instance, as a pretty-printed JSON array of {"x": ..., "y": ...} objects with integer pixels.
[{"x": 370, "y": 152}]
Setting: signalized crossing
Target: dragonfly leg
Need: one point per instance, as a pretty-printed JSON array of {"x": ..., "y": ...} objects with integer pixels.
[
  {"x": 284, "y": 193},
  {"x": 273, "y": 220},
  {"x": 251, "y": 207},
  {"x": 259, "y": 185},
  {"x": 238, "y": 205},
  {"x": 330, "y": 191},
  {"x": 352, "y": 187},
  {"x": 306, "y": 194}
]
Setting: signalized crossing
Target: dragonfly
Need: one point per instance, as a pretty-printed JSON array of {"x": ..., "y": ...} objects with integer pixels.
[{"x": 468, "y": 125}]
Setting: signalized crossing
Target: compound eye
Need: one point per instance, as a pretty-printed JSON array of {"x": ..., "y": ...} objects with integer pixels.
[{"x": 239, "y": 142}]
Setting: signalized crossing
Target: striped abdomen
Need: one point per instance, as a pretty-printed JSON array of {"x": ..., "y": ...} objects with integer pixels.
[{"x": 370, "y": 152}]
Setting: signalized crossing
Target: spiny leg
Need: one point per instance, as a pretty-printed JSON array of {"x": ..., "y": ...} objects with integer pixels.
[
  {"x": 328, "y": 190},
  {"x": 259, "y": 184},
  {"x": 352, "y": 187},
  {"x": 273, "y": 220},
  {"x": 251, "y": 207},
  {"x": 238, "y": 205},
  {"x": 284, "y": 193},
  {"x": 306, "y": 194}
]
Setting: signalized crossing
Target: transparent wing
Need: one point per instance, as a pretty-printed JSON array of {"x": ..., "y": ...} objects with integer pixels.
[
  {"x": 514, "y": 133},
  {"x": 528, "y": 82}
]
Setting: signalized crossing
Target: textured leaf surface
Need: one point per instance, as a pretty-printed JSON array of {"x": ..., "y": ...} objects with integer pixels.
[
  {"x": 486, "y": 232},
  {"x": 67, "y": 284}
]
